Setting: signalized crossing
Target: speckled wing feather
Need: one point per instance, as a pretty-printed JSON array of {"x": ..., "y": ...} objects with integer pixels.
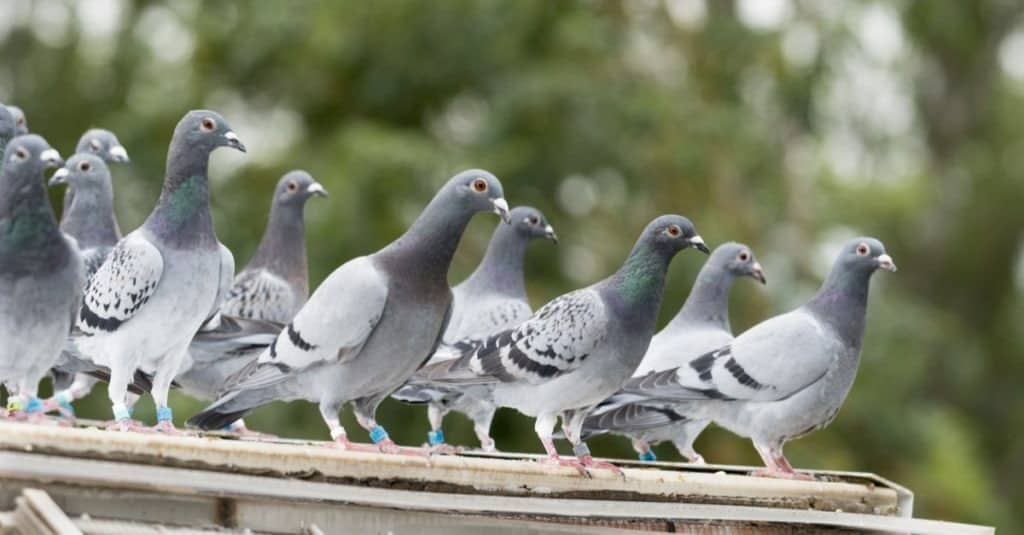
[
  {"x": 556, "y": 340},
  {"x": 121, "y": 286},
  {"x": 476, "y": 318},
  {"x": 259, "y": 294}
]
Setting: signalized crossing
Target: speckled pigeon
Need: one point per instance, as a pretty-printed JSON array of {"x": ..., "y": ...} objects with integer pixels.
[
  {"x": 786, "y": 376},
  {"x": 579, "y": 348},
  {"x": 162, "y": 281},
  {"x": 41, "y": 273},
  {"x": 700, "y": 326},
  {"x": 491, "y": 300},
  {"x": 371, "y": 323}
]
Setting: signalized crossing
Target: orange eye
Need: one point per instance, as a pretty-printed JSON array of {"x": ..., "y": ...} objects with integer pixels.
[
  {"x": 84, "y": 167},
  {"x": 479, "y": 185},
  {"x": 207, "y": 125},
  {"x": 674, "y": 231},
  {"x": 863, "y": 249},
  {"x": 292, "y": 186}
]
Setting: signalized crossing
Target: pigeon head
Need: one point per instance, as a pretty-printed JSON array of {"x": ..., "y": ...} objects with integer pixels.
[
  {"x": 477, "y": 190},
  {"x": 296, "y": 187},
  {"x": 102, "y": 143},
  {"x": 206, "y": 130},
  {"x": 530, "y": 222},
  {"x": 863, "y": 256},
  {"x": 8, "y": 127},
  {"x": 26, "y": 157},
  {"x": 670, "y": 234},
  {"x": 20, "y": 123},
  {"x": 83, "y": 172},
  {"x": 738, "y": 260}
]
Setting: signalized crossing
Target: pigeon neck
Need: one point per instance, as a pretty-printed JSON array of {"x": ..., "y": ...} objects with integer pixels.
[
  {"x": 426, "y": 249},
  {"x": 182, "y": 214},
  {"x": 842, "y": 303},
  {"x": 29, "y": 237},
  {"x": 708, "y": 302},
  {"x": 90, "y": 218},
  {"x": 640, "y": 282},
  {"x": 282, "y": 251},
  {"x": 501, "y": 270}
]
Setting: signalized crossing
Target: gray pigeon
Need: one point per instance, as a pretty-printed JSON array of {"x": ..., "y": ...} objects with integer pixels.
[
  {"x": 161, "y": 282},
  {"x": 371, "y": 323},
  {"x": 702, "y": 325},
  {"x": 8, "y": 128},
  {"x": 491, "y": 300},
  {"x": 581, "y": 347},
  {"x": 275, "y": 283},
  {"x": 786, "y": 376},
  {"x": 101, "y": 143},
  {"x": 41, "y": 273},
  {"x": 264, "y": 296},
  {"x": 20, "y": 122}
]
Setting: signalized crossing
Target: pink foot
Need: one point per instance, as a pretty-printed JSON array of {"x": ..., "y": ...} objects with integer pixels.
[
  {"x": 384, "y": 446},
  {"x": 126, "y": 426},
  {"x": 442, "y": 449},
  {"x": 782, "y": 474},
  {"x": 590, "y": 462},
  {"x": 571, "y": 462},
  {"x": 167, "y": 427}
]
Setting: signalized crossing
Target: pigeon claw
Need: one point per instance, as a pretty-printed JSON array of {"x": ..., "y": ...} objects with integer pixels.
[
  {"x": 442, "y": 449},
  {"x": 590, "y": 462},
  {"x": 126, "y": 426},
  {"x": 570, "y": 462}
]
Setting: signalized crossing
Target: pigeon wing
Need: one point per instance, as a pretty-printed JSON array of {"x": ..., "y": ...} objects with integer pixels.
[{"x": 121, "y": 286}]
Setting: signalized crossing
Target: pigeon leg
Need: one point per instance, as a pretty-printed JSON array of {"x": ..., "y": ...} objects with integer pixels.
[
  {"x": 572, "y": 425},
  {"x": 61, "y": 401},
  {"x": 364, "y": 409},
  {"x": 776, "y": 464},
  {"x": 544, "y": 426},
  {"x": 482, "y": 427},
  {"x": 643, "y": 450},
  {"x": 239, "y": 429},
  {"x": 164, "y": 415},
  {"x": 435, "y": 437},
  {"x": 686, "y": 450},
  {"x": 117, "y": 391}
]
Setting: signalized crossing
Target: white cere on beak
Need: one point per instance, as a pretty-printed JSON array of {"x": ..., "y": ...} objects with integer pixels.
[
  {"x": 60, "y": 175},
  {"x": 501, "y": 208},
  {"x": 231, "y": 136},
  {"x": 885, "y": 262},
  {"x": 697, "y": 240},
  {"x": 50, "y": 156},
  {"x": 118, "y": 152},
  {"x": 316, "y": 189}
]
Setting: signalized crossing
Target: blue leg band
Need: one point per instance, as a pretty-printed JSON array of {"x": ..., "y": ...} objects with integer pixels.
[
  {"x": 63, "y": 398},
  {"x": 435, "y": 438},
  {"x": 34, "y": 405},
  {"x": 377, "y": 434},
  {"x": 121, "y": 413},
  {"x": 164, "y": 414},
  {"x": 648, "y": 456}
]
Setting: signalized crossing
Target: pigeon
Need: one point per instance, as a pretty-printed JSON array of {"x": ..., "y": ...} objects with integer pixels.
[
  {"x": 786, "y": 376},
  {"x": 700, "y": 326},
  {"x": 579, "y": 348},
  {"x": 101, "y": 143},
  {"x": 491, "y": 300},
  {"x": 20, "y": 122},
  {"x": 8, "y": 128},
  {"x": 370, "y": 325},
  {"x": 264, "y": 296},
  {"x": 275, "y": 283},
  {"x": 143, "y": 305},
  {"x": 41, "y": 274}
]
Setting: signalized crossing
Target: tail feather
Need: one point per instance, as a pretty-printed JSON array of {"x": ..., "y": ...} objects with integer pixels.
[{"x": 232, "y": 406}]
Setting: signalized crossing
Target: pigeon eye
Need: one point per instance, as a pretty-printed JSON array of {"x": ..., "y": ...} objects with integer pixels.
[
  {"x": 674, "y": 231},
  {"x": 84, "y": 167},
  {"x": 20, "y": 121},
  {"x": 293, "y": 186},
  {"x": 863, "y": 249},
  {"x": 534, "y": 220},
  {"x": 479, "y": 185},
  {"x": 20, "y": 155},
  {"x": 744, "y": 256},
  {"x": 207, "y": 125},
  {"x": 95, "y": 145}
]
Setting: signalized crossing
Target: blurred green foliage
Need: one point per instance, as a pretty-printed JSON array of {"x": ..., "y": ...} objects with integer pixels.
[{"x": 788, "y": 125}]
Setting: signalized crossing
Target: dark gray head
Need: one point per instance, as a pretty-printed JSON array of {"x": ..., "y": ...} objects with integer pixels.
[
  {"x": 102, "y": 143},
  {"x": 20, "y": 122},
  {"x": 476, "y": 190},
  {"x": 295, "y": 188},
  {"x": 8, "y": 128},
  {"x": 26, "y": 157},
  {"x": 862, "y": 256},
  {"x": 206, "y": 130},
  {"x": 670, "y": 234},
  {"x": 84, "y": 172},
  {"x": 738, "y": 260},
  {"x": 530, "y": 223}
]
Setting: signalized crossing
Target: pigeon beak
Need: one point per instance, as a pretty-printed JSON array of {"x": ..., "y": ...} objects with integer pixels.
[
  {"x": 60, "y": 177},
  {"x": 698, "y": 243},
  {"x": 316, "y": 189},
  {"x": 885, "y": 262},
  {"x": 233, "y": 141},
  {"x": 118, "y": 154},
  {"x": 757, "y": 272},
  {"x": 501, "y": 208},
  {"x": 51, "y": 158},
  {"x": 549, "y": 233}
]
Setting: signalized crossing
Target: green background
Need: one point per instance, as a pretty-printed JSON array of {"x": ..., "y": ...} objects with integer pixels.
[{"x": 787, "y": 125}]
